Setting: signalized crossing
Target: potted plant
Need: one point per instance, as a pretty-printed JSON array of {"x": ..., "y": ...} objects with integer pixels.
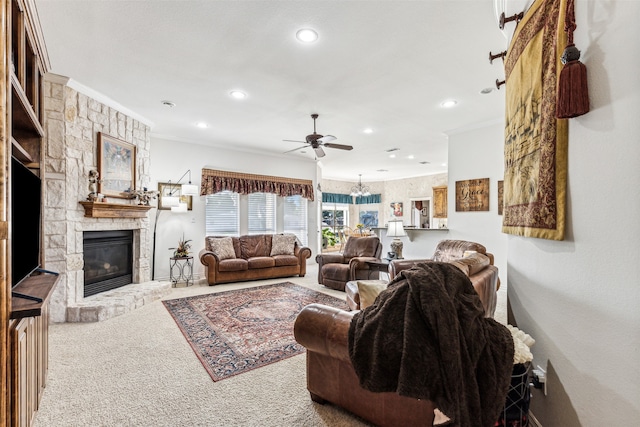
[
  {"x": 328, "y": 238},
  {"x": 182, "y": 250}
]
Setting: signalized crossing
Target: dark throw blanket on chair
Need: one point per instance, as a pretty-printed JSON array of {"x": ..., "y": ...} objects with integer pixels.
[{"x": 426, "y": 337}]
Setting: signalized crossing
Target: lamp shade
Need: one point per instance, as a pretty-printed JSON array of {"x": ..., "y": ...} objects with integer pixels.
[
  {"x": 181, "y": 208},
  {"x": 190, "y": 190},
  {"x": 395, "y": 229},
  {"x": 170, "y": 201}
]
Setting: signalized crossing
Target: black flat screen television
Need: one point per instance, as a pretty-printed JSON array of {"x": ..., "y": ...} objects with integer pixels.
[{"x": 26, "y": 197}]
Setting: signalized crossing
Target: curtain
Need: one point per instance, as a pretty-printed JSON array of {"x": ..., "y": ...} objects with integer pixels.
[
  {"x": 337, "y": 198},
  {"x": 366, "y": 200},
  {"x": 215, "y": 181}
]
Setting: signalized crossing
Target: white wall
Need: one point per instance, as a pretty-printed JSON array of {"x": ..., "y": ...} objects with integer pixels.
[
  {"x": 580, "y": 298},
  {"x": 171, "y": 159},
  {"x": 478, "y": 154}
]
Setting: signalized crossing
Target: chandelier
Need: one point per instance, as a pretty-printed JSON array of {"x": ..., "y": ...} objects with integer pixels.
[{"x": 360, "y": 190}]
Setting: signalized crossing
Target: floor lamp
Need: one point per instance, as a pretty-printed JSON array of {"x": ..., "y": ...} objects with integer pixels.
[{"x": 172, "y": 200}]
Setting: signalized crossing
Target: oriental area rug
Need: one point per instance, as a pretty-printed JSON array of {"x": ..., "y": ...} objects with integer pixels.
[{"x": 236, "y": 331}]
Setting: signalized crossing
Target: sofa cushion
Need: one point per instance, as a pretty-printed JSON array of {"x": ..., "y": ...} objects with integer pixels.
[
  {"x": 235, "y": 264},
  {"x": 283, "y": 244},
  {"x": 261, "y": 262},
  {"x": 222, "y": 247},
  {"x": 369, "y": 290},
  {"x": 255, "y": 246},
  {"x": 281, "y": 260}
]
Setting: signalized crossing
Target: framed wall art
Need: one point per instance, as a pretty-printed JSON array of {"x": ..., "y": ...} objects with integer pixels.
[
  {"x": 500, "y": 197},
  {"x": 166, "y": 189},
  {"x": 396, "y": 208},
  {"x": 472, "y": 195},
  {"x": 116, "y": 166}
]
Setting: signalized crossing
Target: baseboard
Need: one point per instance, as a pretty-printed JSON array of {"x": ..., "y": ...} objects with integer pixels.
[{"x": 533, "y": 420}]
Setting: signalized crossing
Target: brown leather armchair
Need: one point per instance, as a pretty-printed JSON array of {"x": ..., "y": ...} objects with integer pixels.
[
  {"x": 335, "y": 270},
  {"x": 331, "y": 377}
]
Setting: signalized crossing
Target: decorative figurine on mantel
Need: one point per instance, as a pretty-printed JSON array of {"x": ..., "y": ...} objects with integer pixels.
[
  {"x": 93, "y": 185},
  {"x": 144, "y": 196}
]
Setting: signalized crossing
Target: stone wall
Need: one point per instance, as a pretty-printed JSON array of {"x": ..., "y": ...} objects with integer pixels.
[{"x": 72, "y": 122}]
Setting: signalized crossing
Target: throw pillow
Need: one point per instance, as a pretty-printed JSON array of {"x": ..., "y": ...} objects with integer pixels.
[
  {"x": 222, "y": 247},
  {"x": 461, "y": 265},
  {"x": 283, "y": 244},
  {"x": 369, "y": 290},
  {"x": 475, "y": 262}
]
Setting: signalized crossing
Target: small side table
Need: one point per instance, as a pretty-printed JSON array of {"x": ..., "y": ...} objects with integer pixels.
[
  {"x": 181, "y": 270},
  {"x": 380, "y": 265}
]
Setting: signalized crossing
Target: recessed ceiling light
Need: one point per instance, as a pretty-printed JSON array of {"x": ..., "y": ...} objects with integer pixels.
[
  {"x": 486, "y": 90},
  {"x": 410, "y": 156},
  {"x": 202, "y": 125},
  {"x": 449, "y": 103},
  {"x": 168, "y": 104},
  {"x": 444, "y": 164},
  {"x": 368, "y": 130},
  {"x": 238, "y": 94},
  {"x": 307, "y": 35},
  {"x": 392, "y": 156}
]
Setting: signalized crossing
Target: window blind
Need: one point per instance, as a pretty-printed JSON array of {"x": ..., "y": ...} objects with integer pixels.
[
  {"x": 261, "y": 213},
  {"x": 222, "y": 214},
  {"x": 295, "y": 218}
]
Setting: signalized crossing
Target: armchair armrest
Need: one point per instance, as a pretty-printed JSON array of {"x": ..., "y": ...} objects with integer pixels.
[
  {"x": 397, "y": 265},
  {"x": 323, "y": 259},
  {"x": 359, "y": 263},
  {"x": 325, "y": 330}
]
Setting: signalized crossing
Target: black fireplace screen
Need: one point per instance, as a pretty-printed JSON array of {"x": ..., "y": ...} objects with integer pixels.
[{"x": 108, "y": 260}]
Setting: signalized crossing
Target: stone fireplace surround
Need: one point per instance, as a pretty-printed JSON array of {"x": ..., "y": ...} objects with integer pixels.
[{"x": 73, "y": 118}]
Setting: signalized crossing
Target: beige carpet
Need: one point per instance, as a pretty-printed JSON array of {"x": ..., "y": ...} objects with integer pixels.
[{"x": 138, "y": 370}]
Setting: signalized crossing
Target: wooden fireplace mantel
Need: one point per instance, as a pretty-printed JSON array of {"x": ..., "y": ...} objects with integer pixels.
[{"x": 113, "y": 210}]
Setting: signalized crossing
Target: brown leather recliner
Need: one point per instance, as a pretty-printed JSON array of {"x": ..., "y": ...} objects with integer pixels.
[{"x": 335, "y": 270}]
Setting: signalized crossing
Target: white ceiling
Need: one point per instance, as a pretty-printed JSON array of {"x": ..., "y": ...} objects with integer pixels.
[{"x": 385, "y": 65}]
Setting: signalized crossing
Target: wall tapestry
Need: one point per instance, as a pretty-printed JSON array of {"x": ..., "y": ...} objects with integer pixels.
[
  {"x": 472, "y": 195},
  {"x": 500, "y": 197},
  {"x": 535, "y": 151}
]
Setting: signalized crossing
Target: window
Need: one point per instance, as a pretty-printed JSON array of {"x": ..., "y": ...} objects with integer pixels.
[
  {"x": 295, "y": 217},
  {"x": 222, "y": 214},
  {"x": 335, "y": 216},
  {"x": 261, "y": 213}
]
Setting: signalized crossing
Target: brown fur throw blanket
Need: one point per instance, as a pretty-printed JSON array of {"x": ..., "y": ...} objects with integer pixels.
[{"x": 426, "y": 337}]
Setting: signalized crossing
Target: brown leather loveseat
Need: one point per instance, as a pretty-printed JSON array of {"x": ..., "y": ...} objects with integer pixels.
[
  {"x": 260, "y": 256},
  {"x": 477, "y": 265}
]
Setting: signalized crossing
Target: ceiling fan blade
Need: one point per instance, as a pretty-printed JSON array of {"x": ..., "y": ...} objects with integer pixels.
[
  {"x": 327, "y": 138},
  {"x": 295, "y": 149},
  {"x": 319, "y": 152},
  {"x": 339, "y": 146},
  {"x": 293, "y": 140}
]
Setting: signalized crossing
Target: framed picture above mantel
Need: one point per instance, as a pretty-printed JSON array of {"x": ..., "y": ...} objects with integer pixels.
[{"x": 116, "y": 166}]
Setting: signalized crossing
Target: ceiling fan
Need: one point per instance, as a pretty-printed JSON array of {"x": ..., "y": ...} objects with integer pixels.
[{"x": 317, "y": 141}]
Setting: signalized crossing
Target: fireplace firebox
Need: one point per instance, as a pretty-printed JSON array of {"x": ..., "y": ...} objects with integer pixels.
[{"x": 108, "y": 260}]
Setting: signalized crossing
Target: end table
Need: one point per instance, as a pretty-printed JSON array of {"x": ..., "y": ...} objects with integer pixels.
[
  {"x": 379, "y": 265},
  {"x": 181, "y": 270}
]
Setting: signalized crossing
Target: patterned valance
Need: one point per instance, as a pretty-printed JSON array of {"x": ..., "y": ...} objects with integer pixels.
[
  {"x": 366, "y": 200},
  {"x": 215, "y": 181},
  {"x": 337, "y": 198}
]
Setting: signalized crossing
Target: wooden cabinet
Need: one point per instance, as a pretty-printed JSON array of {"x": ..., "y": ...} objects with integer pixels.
[
  {"x": 440, "y": 201},
  {"x": 24, "y": 330}
]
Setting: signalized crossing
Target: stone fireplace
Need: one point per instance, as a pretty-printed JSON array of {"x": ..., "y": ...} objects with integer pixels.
[
  {"x": 108, "y": 260},
  {"x": 73, "y": 118}
]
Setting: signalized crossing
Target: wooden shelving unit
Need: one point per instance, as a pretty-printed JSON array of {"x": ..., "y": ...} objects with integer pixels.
[{"x": 24, "y": 331}]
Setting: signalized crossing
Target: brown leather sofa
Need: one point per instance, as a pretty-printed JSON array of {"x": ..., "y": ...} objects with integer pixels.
[
  {"x": 253, "y": 260},
  {"x": 324, "y": 331},
  {"x": 335, "y": 269},
  {"x": 484, "y": 278}
]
